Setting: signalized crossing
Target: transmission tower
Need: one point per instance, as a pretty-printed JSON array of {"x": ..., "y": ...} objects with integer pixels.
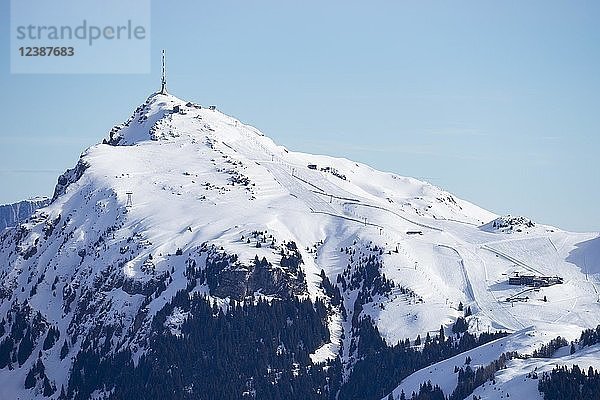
[{"x": 163, "y": 82}]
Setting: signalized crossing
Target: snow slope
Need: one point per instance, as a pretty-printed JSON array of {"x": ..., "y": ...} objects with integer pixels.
[{"x": 177, "y": 176}]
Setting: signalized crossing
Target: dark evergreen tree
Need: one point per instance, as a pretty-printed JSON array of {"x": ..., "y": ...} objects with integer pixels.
[
  {"x": 460, "y": 326},
  {"x": 574, "y": 384},
  {"x": 220, "y": 352},
  {"x": 30, "y": 379},
  {"x": 381, "y": 367},
  {"x": 429, "y": 392},
  {"x": 51, "y": 338},
  {"x": 418, "y": 340},
  {"x": 25, "y": 348},
  {"x": 64, "y": 350},
  {"x": 469, "y": 379}
]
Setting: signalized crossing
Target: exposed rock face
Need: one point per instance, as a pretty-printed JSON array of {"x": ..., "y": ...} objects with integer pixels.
[
  {"x": 508, "y": 224},
  {"x": 227, "y": 277},
  {"x": 68, "y": 177},
  {"x": 12, "y": 214},
  {"x": 232, "y": 282},
  {"x": 108, "y": 300}
]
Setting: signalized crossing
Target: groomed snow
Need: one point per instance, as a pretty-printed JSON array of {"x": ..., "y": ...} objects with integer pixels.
[{"x": 199, "y": 176}]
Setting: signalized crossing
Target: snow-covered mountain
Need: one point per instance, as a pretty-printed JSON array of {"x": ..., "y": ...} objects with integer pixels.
[
  {"x": 189, "y": 256},
  {"x": 12, "y": 214}
]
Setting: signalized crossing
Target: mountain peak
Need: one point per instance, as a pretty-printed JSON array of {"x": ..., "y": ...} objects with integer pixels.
[
  {"x": 184, "y": 209},
  {"x": 138, "y": 127}
]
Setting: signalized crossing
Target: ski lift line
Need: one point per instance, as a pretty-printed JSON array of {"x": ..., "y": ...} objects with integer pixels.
[
  {"x": 311, "y": 184},
  {"x": 594, "y": 287},
  {"x": 514, "y": 296},
  {"x": 337, "y": 197},
  {"x": 129, "y": 202},
  {"x": 225, "y": 143},
  {"x": 518, "y": 239},
  {"x": 400, "y": 216},
  {"x": 313, "y": 201},
  {"x": 455, "y": 220},
  {"x": 552, "y": 243},
  {"x": 362, "y": 222},
  {"x": 294, "y": 168},
  {"x": 512, "y": 259}
]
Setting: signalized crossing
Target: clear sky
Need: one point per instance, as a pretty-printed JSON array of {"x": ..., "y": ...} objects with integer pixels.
[{"x": 497, "y": 102}]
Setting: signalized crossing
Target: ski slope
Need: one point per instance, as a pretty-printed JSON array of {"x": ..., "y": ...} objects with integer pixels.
[{"x": 198, "y": 176}]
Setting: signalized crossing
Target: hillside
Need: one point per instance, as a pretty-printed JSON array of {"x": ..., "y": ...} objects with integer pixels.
[{"x": 188, "y": 245}]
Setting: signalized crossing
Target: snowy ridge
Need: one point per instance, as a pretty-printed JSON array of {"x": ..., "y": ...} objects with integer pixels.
[
  {"x": 12, "y": 214},
  {"x": 180, "y": 188}
]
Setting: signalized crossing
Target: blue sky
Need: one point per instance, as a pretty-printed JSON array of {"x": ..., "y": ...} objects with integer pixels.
[{"x": 496, "y": 102}]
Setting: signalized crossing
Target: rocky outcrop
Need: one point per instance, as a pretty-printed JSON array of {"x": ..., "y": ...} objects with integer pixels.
[
  {"x": 226, "y": 277},
  {"x": 68, "y": 177},
  {"x": 12, "y": 214},
  {"x": 508, "y": 224}
]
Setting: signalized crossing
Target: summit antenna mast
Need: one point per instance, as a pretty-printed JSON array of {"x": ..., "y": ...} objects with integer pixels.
[{"x": 163, "y": 82}]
